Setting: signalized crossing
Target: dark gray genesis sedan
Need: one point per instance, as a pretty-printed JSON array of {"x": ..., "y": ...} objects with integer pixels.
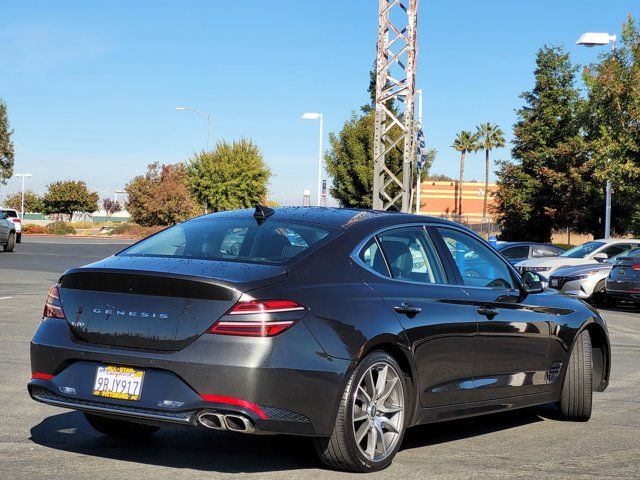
[{"x": 344, "y": 325}]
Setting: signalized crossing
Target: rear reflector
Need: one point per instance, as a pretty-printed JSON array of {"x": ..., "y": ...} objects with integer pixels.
[
  {"x": 235, "y": 401},
  {"x": 53, "y": 305},
  {"x": 636, "y": 267},
  {"x": 250, "y": 329},
  {"x": 259, "y": 318},
  {"x": 41, "y": 376}
]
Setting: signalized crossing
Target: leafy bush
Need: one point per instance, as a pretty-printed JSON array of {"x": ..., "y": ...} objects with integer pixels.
[
  {"x": 134, "y": 230},
  {"x": 31, "y": 228},
  {"x": 61, "y": 228}
]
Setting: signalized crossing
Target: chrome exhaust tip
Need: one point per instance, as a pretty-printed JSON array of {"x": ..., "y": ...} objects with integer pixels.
[
  {"x": 212, "y": 420},
  {"x": 238, "y": 423}
]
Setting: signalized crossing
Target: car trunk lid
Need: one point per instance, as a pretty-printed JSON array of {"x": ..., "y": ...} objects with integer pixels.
[{"x": 151, "y": 303}]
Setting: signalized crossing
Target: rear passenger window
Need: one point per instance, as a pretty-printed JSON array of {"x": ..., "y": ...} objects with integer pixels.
[
  {"x": 411, "y": 256},
  {"x": 372, "y": 257}
]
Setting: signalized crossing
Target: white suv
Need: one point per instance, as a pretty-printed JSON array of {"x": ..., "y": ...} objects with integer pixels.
[
  {"x": 593, "y": 252},
  {"x": 13, "y": 216}
]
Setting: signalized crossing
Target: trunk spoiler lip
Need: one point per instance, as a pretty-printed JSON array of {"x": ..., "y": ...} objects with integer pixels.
[{"x": 238, "y": 287}]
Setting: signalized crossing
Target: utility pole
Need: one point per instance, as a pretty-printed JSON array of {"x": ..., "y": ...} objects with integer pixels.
[
  {"x": 395, "y": 89},
  {"x": 419, "y": 180}
]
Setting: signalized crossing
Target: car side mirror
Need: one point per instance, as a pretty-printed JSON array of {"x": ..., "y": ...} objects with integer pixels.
[
  {"x": 532, "y": 283},
  {"x": 600, "y": 257}
]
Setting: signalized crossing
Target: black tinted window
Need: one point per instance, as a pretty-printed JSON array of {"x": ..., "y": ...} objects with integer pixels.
[
  {"x": 372, "y": 257},
  {"x": 236, "y": 239},
  {"x": 515, "y": 252},
  {"x": 10, "y": 214}
]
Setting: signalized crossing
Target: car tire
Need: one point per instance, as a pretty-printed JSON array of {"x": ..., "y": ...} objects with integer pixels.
[
  {"x": 356, "y": 417},
  {"x": 120, "y": 428},
  {"x": 11, "y": 242},
  {"x": 599, "y": 296},
  {"x": 577, "y": 391},
  {"x": 19, "y": 237}
]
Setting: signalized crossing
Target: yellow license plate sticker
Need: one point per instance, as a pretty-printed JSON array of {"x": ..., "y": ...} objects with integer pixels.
[{"x": 122, "y": 383}]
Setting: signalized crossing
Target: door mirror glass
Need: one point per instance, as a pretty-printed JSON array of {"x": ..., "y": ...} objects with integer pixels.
[
  {"x": 532, "y": 282},
  {"x": 600, "y": 257}
]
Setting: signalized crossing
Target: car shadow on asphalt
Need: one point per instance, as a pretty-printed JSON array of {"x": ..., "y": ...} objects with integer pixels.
[{"x": 200, "y": 449}]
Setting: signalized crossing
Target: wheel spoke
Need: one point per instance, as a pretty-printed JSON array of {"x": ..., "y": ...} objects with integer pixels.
[
  {"x": 369, "y": 384},
  {"x": 381, "y": 381},
  {"x": 378, "y": 428},
  {"x": 364, "y": 393},
  {"x": 388, "y": 390},
  {"x": 386, "y": 423},
  {"x": 360, "y": 417},
  {"x": 362, "y": 431},
  {"x": 372, "y": 441},
  {"x": 390, "y": 408}
]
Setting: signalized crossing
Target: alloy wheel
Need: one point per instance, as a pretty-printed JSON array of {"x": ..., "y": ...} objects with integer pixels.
[{"x": 378, "y": 411}]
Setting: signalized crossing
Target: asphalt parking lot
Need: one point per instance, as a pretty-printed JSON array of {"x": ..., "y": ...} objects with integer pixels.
[{"x": 38, "y": 441}]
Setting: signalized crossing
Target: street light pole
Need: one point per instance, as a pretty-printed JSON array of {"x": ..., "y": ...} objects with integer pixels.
[
  {"x": 592, "y": 39},
  {"x": 23, "y": 175},
  {"x": 208, "y": 117},
  {"x": 317, "y": 116}
]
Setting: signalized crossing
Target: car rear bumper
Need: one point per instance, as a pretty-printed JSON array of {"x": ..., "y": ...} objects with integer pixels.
[{"x": 285, "y": 384}]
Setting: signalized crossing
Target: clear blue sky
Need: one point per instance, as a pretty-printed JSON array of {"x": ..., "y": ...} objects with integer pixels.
[{"x": 92, "y": 87}]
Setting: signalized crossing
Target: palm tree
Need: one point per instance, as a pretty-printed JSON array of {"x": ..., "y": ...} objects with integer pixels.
[
  {"x": 490, "y": 137},
  {"x": 464, "y": 143}
]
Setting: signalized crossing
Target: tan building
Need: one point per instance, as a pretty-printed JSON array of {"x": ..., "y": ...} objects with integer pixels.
[{"x": 438, "y": 199}]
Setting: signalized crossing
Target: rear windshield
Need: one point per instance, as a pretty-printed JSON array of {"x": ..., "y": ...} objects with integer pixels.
[
  {"x": 11, "y": 213},
  {"x": 235, "y": 239}
]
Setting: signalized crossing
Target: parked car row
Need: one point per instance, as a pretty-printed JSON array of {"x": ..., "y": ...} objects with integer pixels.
[{"x": 601, "y": 271}]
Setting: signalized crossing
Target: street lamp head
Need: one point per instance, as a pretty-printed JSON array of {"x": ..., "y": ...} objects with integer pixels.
[
  {"x": 311, "y": 116},
  {"x": 26, "y": 175},
  {"x": 594, "y": 39},
  {"x": 181, "y": 108}
]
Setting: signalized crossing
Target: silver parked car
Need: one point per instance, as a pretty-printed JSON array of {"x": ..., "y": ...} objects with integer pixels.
[
  {"x": 7, "y": 233},
  {"x": 587, "y": 281}
]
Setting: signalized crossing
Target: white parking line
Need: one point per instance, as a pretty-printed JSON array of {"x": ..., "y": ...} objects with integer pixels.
[{"x": 5, "y": 298}]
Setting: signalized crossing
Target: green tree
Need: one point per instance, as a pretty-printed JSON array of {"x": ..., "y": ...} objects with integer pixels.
[
  {"x": 6, "y": 145},
  {"x": 547, "y": 187},
  {"x": 32, "y": 201},
  {"x": 349, "y": 160},
  {"x": 489, "y": 136},
  {"x": 161, "y": 196},
  {"x": 68, "y": 196},
  {"x": 234, "y": 175},
  {"x": 613, "y": 129},
  {"x": 465, "y": 142}
]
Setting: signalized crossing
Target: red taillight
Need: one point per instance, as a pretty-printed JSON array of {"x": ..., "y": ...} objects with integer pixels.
[
  {"x": 53, "y": 305},
  {"x": 16, "y": 220},
  {"x": 256, "y": 318},
  {"x": 41, "y": 376},
  {"x": 636, "y": 267},
  {"x": 265, "y": 306}
]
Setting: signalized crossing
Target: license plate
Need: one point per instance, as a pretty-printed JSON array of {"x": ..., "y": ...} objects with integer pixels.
[
  {"x": 122, "y": 383},
  {"x": 554, "y": 282}
]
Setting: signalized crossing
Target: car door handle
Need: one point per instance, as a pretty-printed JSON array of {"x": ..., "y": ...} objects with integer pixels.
[
  {"x": 488, "y": 312},
  {"x": 407, "y": 309}
]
